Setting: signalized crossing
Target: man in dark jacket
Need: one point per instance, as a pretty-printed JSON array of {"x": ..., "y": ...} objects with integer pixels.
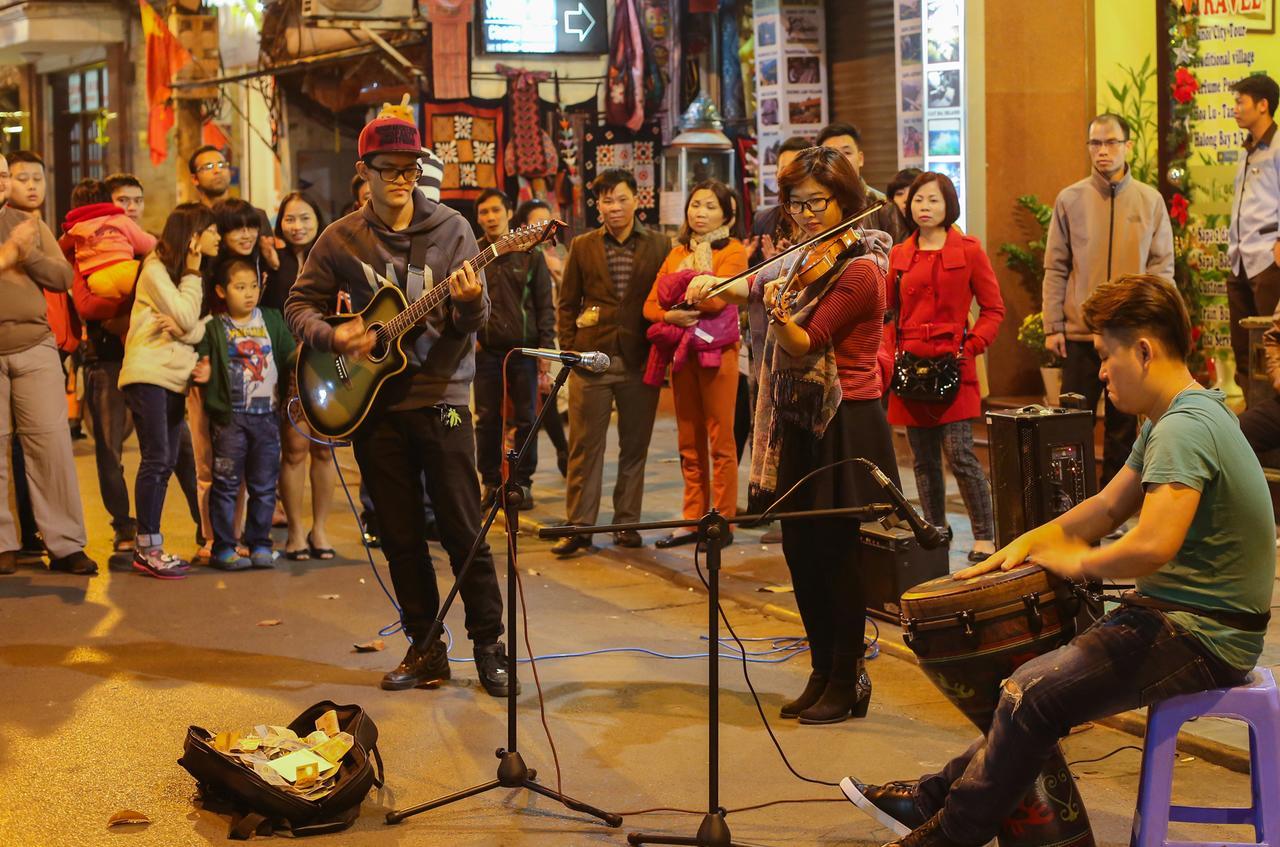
[
  {"x": 421, "y": 421},
  {"x": 606, "y": 280},
  {"x": 521, "y": 314}
]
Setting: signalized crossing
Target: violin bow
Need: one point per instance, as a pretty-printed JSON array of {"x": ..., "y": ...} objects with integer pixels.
[{"x": 822, "y": 236}]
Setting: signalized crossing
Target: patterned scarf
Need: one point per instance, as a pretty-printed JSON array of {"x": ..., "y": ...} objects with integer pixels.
[
  {"x": 699, "y": 258},
  {"x": 800, "y": 390}
]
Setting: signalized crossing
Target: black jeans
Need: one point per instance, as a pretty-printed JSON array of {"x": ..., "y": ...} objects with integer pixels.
[
  {"x": 111, "y": 426},
  {"x": 245, "y": 448},
  {"x": 1131, "y": 658},
  {"x": 823, "y": 555},
  {"x": 1119, "y": 431},
  {"x": 158, "y": 416},
  {"x": 394, "y": 450},
  {"x": 1261, "y": 425},
  {"x": 522, "y": 386}
]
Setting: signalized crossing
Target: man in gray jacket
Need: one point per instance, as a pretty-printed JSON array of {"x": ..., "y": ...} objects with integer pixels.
[
  {"x": 32, "y": 402},
  {"x": 420, "y": 427},
  {"x": 1106, "y": 225}
]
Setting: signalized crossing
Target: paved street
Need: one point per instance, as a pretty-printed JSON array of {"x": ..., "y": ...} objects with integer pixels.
[{"x": 102, "y": 677}]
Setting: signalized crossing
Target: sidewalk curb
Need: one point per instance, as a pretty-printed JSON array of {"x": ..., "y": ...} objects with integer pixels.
[{"x": 1133, "y": 722}]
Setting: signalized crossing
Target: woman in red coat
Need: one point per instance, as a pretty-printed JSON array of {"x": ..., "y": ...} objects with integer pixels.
[{"x": 934, "y": 276}]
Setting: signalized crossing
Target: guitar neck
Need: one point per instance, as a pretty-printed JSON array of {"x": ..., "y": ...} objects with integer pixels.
[{"x": 418, "y": 310}]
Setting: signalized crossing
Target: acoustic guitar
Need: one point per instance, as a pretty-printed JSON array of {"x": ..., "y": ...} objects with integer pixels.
[{"x": 336, "y": 392}]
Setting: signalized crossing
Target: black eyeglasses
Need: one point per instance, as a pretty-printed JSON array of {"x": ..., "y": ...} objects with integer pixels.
[
  {"x": 817, "y": 205},
  {"x": 412, "y": 173}
]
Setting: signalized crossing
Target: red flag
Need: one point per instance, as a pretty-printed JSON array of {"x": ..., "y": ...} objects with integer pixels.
[{"x": 165, "y": 57}]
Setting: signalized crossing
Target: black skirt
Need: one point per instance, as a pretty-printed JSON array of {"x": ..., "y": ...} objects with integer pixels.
[{"x": 859, "y": 428}]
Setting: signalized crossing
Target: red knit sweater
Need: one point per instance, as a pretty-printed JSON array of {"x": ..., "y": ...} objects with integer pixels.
[{"x": 850, "y": 316}]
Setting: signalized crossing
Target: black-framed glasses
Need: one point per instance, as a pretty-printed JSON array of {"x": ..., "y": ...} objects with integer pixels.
[
  {"x": 213, "y": 166},
  {"x": 817, "y": 205},
  {"x": 412, "y": 173},
  {"x": 1110, "y": 144}
]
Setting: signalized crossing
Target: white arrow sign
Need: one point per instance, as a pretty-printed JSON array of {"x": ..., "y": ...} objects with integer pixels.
[{"x": 580, "y": 12}]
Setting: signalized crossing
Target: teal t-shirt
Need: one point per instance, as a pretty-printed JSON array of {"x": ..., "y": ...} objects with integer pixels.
[{"x": 1228, "y": 560}]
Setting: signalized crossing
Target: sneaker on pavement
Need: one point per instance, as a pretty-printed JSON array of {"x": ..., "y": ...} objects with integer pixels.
[
  {"x": 420, "y": 667},
  {"x": 77, "y": 563},
  {"x": 927, "y": 834},
  {"x": 155, "y": 562},
  {"x": 262, "y": 558},
  {"x": 892, "y": 805},
  {"x": 229, "y": 560},
  {"x": 494, "y": 669}
]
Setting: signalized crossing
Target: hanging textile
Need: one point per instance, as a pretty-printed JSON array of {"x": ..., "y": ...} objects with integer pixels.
[
  {"x": 531, "y": 153},
  {"x": 467, "y": 136},
  {"x": 165, "y": 57},
  {"x": 624, "y": 96},
  {"x": 450, "y": 47},
  {"x": 731, "y": 95},
  {"x": 613, "y": 147}
]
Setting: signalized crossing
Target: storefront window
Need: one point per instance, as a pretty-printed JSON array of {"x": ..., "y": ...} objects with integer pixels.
[{"x": 81, "y": 101}]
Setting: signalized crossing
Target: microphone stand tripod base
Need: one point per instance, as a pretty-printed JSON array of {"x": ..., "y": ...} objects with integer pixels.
[{"x": 714, "y": 832}]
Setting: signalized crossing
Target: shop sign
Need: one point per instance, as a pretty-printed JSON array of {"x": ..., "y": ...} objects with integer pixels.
[{"x": 544, "y": 26}]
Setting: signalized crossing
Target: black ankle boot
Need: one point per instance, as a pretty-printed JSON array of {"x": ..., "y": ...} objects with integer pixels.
[
  {"x": 812, "y": 692},
  {"x": 843, "y": 697}
]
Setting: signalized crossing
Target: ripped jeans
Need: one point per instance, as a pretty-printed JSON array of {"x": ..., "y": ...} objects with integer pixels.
[
  {"x": 1132, "y": 657},
  {"x": 246, "y": 448}
]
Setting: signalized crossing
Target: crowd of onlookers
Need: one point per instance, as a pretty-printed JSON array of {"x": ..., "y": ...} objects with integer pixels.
[{"x": 179, "y": 338}]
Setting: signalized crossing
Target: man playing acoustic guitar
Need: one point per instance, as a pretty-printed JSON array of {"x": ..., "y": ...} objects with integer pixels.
[
  {"x": 421, "y": 421},
  {"x": 1202, "y": 556}
]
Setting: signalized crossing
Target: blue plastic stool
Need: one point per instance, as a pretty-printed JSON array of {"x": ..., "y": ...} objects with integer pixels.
[{"x": 1257, "y": 703}]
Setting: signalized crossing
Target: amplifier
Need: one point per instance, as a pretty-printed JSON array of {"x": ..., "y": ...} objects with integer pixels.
[
  {"x": 1042, "y": 465},
  {"x": 892, "y": 563}
]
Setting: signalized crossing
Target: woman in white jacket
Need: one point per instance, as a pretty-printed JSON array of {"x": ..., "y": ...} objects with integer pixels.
[{"x": 159, "y": 355}]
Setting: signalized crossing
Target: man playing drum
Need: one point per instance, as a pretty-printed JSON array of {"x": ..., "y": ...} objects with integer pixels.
[{"x": 1202, "y": 555}]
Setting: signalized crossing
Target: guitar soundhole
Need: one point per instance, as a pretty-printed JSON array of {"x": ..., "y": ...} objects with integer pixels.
[{"x": 380, "y": 348}]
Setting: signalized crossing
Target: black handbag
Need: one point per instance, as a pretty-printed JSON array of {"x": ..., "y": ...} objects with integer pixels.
[
  {"x": 926, "y": 379},
  {"x": 258, "y": 808}
]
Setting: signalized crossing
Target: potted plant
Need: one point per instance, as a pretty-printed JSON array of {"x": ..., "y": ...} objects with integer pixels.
[{"x": 1031, "y": 336}]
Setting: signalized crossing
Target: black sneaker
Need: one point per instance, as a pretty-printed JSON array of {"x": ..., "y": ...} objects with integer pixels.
[
  {"x": 494, "y": 669},
  {"x": 76, "y": 563},
  {"x": 892, "y": 805},
  {"x": 419, "y": 668}
]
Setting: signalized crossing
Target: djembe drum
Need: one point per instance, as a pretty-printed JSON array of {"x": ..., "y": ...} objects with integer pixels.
[{"x": 969, "y": 637}]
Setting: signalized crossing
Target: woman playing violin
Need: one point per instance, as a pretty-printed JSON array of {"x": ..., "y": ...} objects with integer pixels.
[{"x": 819, "y": 402}]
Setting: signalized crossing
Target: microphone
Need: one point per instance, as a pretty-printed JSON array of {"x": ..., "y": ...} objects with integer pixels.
[
  {"x": 596, "y": 363},
  {"x": 926, "y": 534}
]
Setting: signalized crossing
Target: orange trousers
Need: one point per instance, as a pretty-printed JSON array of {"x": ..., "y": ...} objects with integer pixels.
[{"x": 704, "y": 400}]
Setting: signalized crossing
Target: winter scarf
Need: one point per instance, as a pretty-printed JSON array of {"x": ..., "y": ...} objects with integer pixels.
[{"x": 699, "y": 258}]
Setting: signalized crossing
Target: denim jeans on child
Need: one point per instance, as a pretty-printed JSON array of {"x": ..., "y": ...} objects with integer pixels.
[
  {"x": 245, "y": 448},
  {"x": 157, "y": 418}
]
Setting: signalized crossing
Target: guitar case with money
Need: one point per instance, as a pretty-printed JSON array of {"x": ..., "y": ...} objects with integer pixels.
[{"x": 259, "y": 807}]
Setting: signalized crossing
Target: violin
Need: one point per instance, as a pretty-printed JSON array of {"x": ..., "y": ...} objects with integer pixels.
[{"x": 814, "y": 264}]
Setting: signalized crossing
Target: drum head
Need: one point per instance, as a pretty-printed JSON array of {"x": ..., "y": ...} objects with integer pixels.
[{"x": 945, "y": 586}]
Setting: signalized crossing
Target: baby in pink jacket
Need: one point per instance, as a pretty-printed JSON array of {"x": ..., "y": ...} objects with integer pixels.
[{"x": 106, "y": 244}]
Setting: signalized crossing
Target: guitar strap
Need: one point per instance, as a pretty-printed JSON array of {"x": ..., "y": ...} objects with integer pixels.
[{"x": 420, "y": 280}]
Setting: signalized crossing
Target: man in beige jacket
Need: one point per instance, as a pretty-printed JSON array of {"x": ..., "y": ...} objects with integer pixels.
[
  {"x": 32, "y": 402},
  {"x": 1106, "y": 225}
]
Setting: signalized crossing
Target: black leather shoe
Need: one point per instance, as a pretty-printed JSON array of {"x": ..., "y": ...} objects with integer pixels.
[
  {"x": 627, "y": 538},
  {"x": 812, "y": 691},
  {"x": 420, "y": 667},
  {"x": 892, "y": 805},
  {"x": 975, "y": 556},
  {"x": 841, "y": 699},
  {"x": 76, "y": 563},
  {"x": 571, "y": 544},
  {"x": 526, "y": 498},
  {"x": 675, "y": 539},
  {"x": 494, "y": 669}
]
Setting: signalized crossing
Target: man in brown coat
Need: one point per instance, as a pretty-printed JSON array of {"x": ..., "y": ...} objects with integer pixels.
[{"x": 606, "y": 279}]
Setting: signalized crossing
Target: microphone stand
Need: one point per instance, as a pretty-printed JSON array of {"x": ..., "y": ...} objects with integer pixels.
[
  {"x": 512, "y": 771},
  {"x": 713, "y": 529}
]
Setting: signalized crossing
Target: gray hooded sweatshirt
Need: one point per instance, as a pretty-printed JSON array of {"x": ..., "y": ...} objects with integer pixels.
[{"x": 359, "y": 252}]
